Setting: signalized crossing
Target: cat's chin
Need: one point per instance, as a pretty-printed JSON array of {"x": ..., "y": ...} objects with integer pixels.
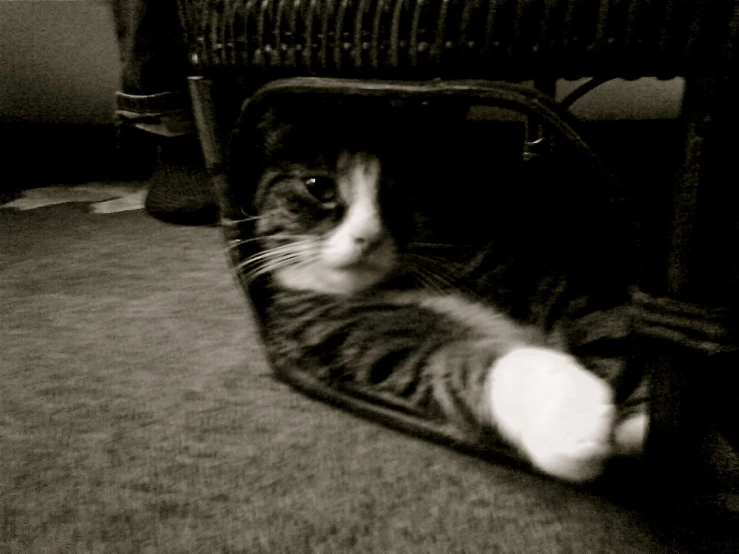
[{"x": 327, "y": 280}]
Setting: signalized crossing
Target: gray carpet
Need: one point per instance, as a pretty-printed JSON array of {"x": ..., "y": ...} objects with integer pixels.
[{"x": 138, "y": 414}]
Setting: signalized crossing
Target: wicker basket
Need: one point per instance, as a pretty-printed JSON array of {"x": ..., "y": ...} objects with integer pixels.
[{"x": 486, "y": 39}]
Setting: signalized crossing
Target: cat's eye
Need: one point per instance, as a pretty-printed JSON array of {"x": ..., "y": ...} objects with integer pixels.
[{"x": 322, "y": 189}]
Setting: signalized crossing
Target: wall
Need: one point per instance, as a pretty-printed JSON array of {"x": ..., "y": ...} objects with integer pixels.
[
  {"x": 640, "y": 99},
  {"x": 58, "y": 61}
]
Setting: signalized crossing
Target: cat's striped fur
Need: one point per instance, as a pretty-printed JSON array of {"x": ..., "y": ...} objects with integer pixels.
[{"x": 375, "y": 283}]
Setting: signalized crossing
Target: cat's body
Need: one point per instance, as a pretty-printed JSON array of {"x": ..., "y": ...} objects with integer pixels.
[{"x": 375, "y": 283}]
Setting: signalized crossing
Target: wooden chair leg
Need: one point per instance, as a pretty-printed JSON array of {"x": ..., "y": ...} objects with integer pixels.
[{"x": 211, "y": 137}]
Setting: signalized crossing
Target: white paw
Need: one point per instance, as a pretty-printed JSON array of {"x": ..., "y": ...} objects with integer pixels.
[
  {"x": 555, "y": 411},
  {"x": 631, "y": 434}
]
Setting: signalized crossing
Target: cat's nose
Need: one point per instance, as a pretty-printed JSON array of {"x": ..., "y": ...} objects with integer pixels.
[
  {"x": 360, "y": 243},
  {"x": 366, "y": 244}
]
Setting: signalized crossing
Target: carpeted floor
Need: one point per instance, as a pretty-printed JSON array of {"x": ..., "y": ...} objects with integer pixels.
[{"x": 137, "y": 414}]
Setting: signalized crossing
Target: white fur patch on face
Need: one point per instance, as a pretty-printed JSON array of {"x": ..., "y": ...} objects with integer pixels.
[
  {"x": 359, "y": 252},
  {"x": 361, "y": 229},
  {"x": 631, "y": 434}
]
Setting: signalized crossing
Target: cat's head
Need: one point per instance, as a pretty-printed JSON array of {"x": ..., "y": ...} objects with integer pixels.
[{"x": 327, "y": 202}]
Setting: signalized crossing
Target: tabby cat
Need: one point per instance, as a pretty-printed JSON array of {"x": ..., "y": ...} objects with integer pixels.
[{"x": 405, "y": 251}]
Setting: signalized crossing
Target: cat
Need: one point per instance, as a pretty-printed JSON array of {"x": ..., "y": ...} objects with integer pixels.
[{"x": 385, "y": 266}]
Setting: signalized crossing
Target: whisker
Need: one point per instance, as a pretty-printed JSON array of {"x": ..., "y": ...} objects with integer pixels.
[
  {"x": 269, "y": 266},
  {"x": 441, "y": 266},
  {"x": 427, "y": 278},
  {"x": 438, "y": 276},
  {"x": 445, "y": 277},
  {"x": 273, "y": 255},
  {"x": 418, "y": 281},
  {"x": 239, "y": 242},
  {"x": 299, "y": 246},
  {"x": 437, "y": 260},
  {"x": 234, "y": 222},
  {"x": 425, "y": 282},
  {"x": 431, "y": 245},
  {"x": 437, "y": 270},
  {"x": 443, "y": 246}
]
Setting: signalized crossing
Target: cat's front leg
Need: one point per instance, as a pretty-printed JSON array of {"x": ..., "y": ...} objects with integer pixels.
[{"x": 557, "y": 413}]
